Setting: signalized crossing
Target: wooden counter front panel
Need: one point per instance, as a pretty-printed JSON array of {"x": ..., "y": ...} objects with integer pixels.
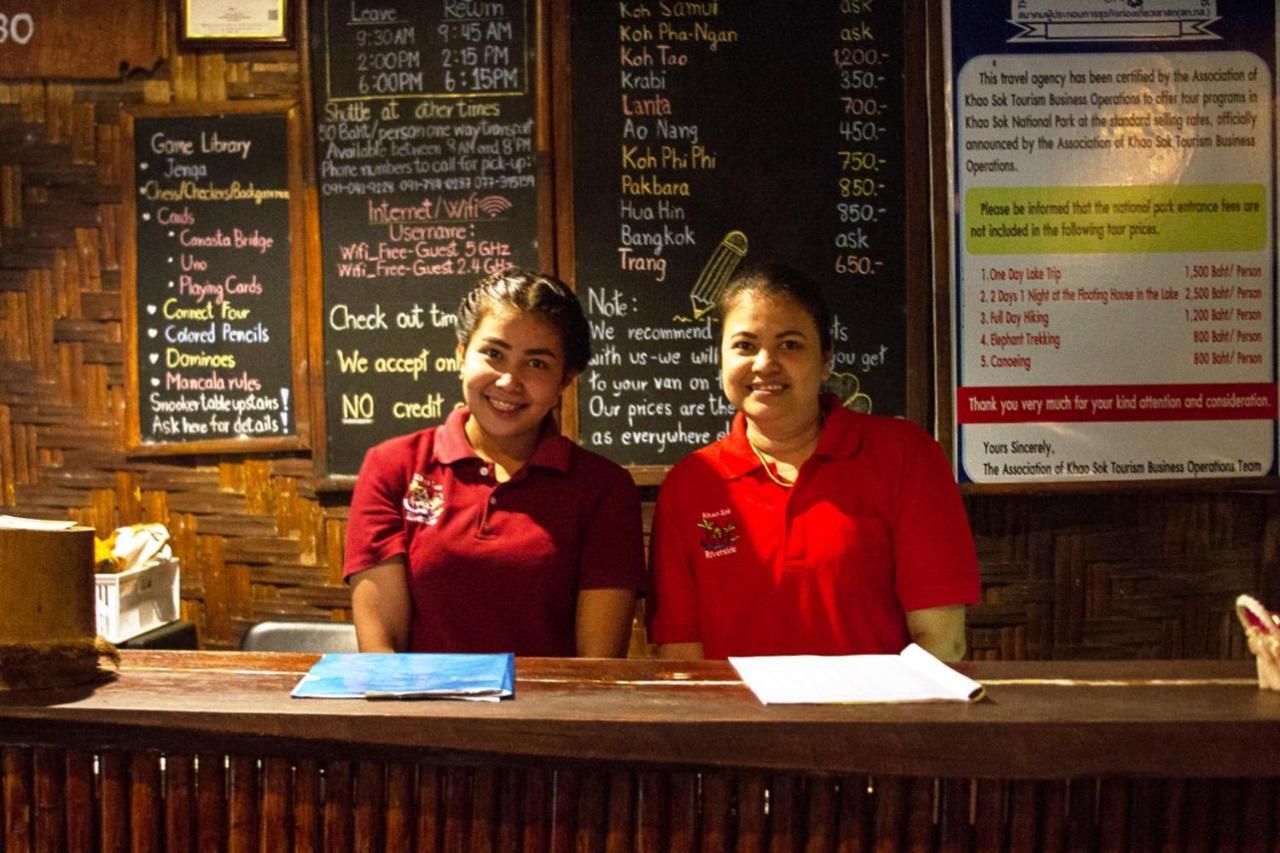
[{"x": 54, "y": 800}]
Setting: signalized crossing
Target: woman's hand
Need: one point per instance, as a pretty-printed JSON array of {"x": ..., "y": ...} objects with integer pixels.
[
  {"x": 381, "y": 606},
  {"x": 603, "y": 628},
  {"x": 939, "y": 631}
]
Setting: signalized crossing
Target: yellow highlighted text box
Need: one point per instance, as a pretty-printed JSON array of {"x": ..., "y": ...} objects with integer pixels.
[{"x": 1078, "y": 220}]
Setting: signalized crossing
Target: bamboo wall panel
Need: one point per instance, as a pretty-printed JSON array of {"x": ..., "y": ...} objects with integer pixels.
[
  {"x": 1066, "y": 576},
  {"x": 1119, "y": 576}
]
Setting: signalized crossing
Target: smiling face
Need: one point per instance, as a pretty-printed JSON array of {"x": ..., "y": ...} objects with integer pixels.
[
  {"x": 513, "y": 371},
  {"x": 772, "y": 363}
]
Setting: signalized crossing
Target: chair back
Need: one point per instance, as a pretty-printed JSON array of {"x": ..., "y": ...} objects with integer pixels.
[{"x": 299, "y": 637}]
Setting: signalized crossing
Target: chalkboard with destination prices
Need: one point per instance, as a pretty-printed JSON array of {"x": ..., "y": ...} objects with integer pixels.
[{"x": 711, "y": 135}]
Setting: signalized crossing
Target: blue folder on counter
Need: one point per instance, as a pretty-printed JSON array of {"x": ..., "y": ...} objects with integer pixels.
[{"x": 476, "y": 677}]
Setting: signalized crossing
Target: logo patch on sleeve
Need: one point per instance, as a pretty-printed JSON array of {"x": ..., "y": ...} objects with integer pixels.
[
  {"x": 717, "y": 534},
  {"x": 424, "y": 502}
]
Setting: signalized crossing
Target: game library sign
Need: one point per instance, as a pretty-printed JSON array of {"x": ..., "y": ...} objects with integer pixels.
[{"x": 211, "y": 311}]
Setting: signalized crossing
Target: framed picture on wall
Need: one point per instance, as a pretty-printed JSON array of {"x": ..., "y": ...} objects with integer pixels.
[{"x": 226, "y": 24}]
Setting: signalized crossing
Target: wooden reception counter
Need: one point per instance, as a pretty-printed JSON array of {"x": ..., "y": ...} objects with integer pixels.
[{"x": 206, "y": 751}]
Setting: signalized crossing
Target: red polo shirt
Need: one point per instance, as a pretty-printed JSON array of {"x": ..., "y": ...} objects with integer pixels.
[
  {"x": 873, "y": 527},
  {"x": 495, "y": 567}
]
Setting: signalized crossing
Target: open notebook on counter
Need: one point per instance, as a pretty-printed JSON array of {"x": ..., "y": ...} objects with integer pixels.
[
  {"x": 366, "y": 675},
  {"x": 913, "y": 675}
]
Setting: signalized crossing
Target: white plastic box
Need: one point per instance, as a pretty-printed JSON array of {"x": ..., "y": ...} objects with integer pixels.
[{"x": 133, "y": 602}]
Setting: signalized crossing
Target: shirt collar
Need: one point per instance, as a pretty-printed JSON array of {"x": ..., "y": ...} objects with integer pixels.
[
  {"x": 841, "y": 437},
  {"x": 452, "y": 446}
]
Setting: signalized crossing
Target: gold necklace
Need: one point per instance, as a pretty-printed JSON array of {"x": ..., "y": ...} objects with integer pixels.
[{"x": 768, "y": 469}]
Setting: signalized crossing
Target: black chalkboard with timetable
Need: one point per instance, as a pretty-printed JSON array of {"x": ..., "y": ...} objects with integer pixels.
[
  {"x": 425, "y": 120},
  {"x": 707, "y": 135},
  {"x": 212, "y": 255}
]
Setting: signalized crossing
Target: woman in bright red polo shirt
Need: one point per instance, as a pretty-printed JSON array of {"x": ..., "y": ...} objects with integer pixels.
[
  {"x": 809, "y": 529},
  {"x": 492, "y": 532}
]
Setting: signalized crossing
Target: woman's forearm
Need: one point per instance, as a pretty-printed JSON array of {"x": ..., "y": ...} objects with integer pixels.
[
  {"x": 939, "y": 631},
  {"x": 604, "y": 622},
  {"x": 381, "y": 607}
]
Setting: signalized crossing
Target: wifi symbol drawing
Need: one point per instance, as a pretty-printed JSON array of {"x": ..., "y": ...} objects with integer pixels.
[{"x": 493, "y": 205}]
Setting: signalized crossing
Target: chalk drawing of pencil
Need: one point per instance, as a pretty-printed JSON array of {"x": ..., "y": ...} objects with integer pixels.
[{"x": 715, "y": 274}]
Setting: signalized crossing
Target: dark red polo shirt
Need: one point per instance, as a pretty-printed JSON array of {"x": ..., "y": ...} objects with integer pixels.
[
  {"x": 873, "y": 527},
  {"x": 495, "y": 567}
]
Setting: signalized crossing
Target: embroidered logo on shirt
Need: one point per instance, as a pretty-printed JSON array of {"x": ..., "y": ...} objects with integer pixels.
[
  {"x": 424, "y": 502},
  {"x": 717, "y": 537}
]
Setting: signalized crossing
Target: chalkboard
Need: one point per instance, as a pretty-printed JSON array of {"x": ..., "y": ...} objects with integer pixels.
[
  {"x": 708, "y": 135},
  {"x": 425, "y": 121},
  {"x": 211, "y": 260}
]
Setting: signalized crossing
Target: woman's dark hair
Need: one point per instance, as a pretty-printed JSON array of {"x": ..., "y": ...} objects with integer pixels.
[
  {"x": 534, "y": 293},
  {"x": 780, "y": 280}
]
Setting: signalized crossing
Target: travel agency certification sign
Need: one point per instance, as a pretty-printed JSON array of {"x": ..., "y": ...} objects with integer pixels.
[{"x": 1113, "y": 167}]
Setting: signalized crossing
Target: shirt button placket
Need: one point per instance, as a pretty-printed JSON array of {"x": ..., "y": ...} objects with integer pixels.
[
  {"x": 790, "y": 531},
  {"x": 488, "y": 510},
  {"x": 485, "y": 470}
]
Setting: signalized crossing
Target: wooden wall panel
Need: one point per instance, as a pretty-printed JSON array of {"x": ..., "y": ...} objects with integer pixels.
[{"x": 1151, "y": 574}]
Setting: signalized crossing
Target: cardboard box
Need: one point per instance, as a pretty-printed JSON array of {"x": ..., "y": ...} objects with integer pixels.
[{"x": 133, "y": 602}]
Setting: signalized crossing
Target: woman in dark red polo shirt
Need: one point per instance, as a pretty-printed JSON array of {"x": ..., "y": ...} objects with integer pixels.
[
  {"x": 809, "y": 529},
  {"x": 492, "y": 532}
]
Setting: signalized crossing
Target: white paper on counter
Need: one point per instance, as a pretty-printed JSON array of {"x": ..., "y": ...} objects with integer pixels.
[{"x": 913, "y": 675}]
